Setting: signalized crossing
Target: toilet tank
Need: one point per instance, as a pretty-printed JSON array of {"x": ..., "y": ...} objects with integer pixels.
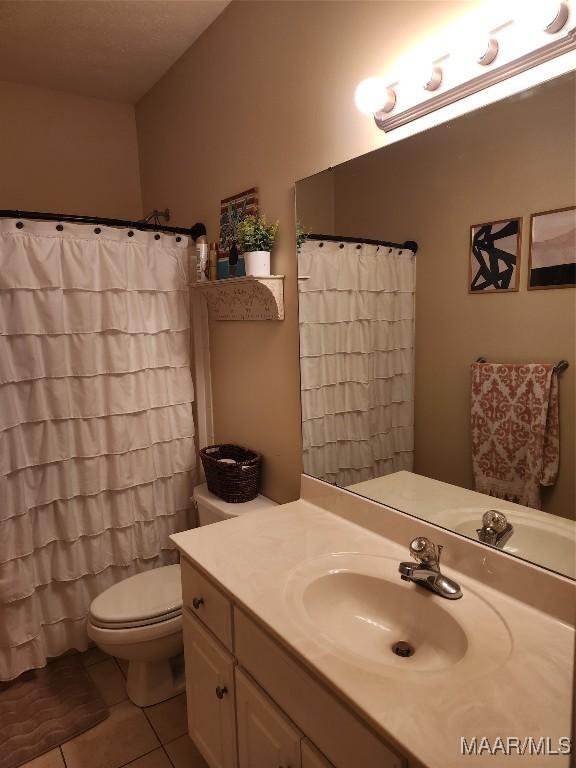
[{"x": 212, "y": 509}]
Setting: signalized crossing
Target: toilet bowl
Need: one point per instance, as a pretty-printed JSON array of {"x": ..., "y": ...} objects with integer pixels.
[{"x": 140, "y": 618}]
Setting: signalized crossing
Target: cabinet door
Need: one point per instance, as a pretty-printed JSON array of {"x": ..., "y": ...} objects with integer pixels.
[
  {"x": 311, "y": 758},
  {"x": 210, "y": 692},
  {"x": 266, "y": 738}
]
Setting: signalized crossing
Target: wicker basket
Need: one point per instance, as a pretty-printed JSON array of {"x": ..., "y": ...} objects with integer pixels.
[{"x": 234, "y": 482}]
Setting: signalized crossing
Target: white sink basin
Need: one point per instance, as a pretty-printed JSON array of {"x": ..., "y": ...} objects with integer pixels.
[
  {"x": 369, "y": 615},
  {"x": 544, "y": 539},
  {"x": 358, "y": 606}
]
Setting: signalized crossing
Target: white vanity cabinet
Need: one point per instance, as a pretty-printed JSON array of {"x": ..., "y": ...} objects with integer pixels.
[
  {"x": 266, "y": 738},
  {"x": 251, "y": 704},
  {"x": 210, "y": 693}
]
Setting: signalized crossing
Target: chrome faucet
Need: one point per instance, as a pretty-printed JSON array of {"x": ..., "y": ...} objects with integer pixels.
[
  {"x": 496, "y": 530},
  {"x": 426, "y": 570}
]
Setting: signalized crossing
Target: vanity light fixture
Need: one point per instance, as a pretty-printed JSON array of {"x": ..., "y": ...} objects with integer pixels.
[{"x": 528, "y": 33}]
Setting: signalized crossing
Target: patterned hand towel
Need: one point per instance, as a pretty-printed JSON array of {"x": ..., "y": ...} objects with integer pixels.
[{"x": 515, "y": 430}]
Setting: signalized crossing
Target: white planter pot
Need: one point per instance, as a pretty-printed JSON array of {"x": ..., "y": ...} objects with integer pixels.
[{"x": 257, "y": 263}]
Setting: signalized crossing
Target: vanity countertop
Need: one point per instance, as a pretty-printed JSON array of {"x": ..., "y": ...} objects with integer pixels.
[{"x": 523, "y": 690}]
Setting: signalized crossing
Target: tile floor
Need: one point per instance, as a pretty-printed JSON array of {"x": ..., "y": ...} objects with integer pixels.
[{"x": 131, "y": 737}]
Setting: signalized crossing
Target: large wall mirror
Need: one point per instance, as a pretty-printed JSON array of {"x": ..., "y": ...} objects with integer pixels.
[{"x": 436, "y": 303}]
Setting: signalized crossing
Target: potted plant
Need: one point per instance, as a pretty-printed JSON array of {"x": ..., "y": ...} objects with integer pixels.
[
  {"x": 301, "y": 236},
  {"x": 255, "y": 240}
]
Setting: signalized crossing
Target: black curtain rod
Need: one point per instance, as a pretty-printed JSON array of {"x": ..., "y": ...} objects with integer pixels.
[
  {"x": 194, "y": 232},
  {"x": 409, "y": 245}
]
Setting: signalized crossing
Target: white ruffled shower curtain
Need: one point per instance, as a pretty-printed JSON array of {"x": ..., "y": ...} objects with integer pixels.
[
  {"x": 97, "y": 448},
  {"x": 356, "y": 313}
]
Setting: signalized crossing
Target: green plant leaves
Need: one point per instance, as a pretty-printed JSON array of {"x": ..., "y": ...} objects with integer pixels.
[{"x": 254, "y": 234}]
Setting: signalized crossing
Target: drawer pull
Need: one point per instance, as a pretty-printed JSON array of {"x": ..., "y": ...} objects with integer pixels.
[
  {"x": 197, "y": 602},
  {"x": 221, "y": 691}
]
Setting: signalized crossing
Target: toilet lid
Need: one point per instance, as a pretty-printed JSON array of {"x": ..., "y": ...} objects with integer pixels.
[{"x": 146, "y": 598}]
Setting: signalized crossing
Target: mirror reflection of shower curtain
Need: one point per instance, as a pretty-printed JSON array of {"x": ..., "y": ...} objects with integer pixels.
[
  {"x": 96, "y": 427},
  {"x": 356, "y": 314}
]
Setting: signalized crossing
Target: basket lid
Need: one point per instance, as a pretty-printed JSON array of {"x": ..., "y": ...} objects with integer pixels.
[{"x": 203, "y": 496}]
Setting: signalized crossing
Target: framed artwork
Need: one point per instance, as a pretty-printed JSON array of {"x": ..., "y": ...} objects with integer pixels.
[
  {"x": 232, "y": 210},
  {"x": 495, "y": 256},
  {"x": 553, "y": 249}
]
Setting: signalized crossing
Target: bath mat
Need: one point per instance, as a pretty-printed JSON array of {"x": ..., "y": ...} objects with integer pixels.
[{"x": 46, "y": 707}]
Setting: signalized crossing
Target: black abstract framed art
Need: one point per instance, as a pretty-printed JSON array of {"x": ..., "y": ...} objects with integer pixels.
[{"x": 495, "y": 256}]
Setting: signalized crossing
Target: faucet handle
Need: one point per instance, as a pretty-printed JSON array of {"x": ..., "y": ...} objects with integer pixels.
[
  {"x": 494, "y": 521},
  {"x": 424, "y": 551}
]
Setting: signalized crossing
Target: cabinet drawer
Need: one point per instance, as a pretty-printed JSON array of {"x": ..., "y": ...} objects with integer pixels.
[
  {"x": 206, "y": 602},
  {"x": 341, "y": 736}
]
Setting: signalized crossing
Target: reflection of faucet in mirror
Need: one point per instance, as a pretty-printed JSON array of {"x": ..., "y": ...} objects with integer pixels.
[
  {"x": 426, "y": 570},
  {"x": 496, "y": 530}
]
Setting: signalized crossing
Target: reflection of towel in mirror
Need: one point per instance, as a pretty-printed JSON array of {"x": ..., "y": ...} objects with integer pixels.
[{"x": 515, "y": 430}]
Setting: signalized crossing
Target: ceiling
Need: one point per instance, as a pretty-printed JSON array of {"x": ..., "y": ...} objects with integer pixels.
[{"x": 108, "y": 49}]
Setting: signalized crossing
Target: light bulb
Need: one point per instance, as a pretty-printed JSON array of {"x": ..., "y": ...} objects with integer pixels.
[{"x": 373, "y": 96}]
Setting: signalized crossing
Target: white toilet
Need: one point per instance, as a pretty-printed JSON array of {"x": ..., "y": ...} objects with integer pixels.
[{"x": 140, "y": 619}]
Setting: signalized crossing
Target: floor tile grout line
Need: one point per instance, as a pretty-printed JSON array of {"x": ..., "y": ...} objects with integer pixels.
[
  {"x": 62, "y": 755},
  {"x": 124, "y": 765},
  {"x": 133, "y": 760},
  {"x": 162, "y": 744},
  {"x": 143, "y": 710},
  {"x": 172, "y": 763}
]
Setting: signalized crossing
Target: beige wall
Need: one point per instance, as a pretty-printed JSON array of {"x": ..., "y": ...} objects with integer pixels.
[
  {"x": 265, "y": 97},
  {"x": 67, "y": 154},
  {"x": 316, "y": 204},
  {"x": 509, "y": 159}
]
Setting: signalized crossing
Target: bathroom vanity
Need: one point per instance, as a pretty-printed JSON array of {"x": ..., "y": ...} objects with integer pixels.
[
  {"x": 251, "y": 702},
  {"x": 291, "y": 616}
]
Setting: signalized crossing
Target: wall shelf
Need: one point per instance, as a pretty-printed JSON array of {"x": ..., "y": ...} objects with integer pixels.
[{"x": 244, "y": 298}]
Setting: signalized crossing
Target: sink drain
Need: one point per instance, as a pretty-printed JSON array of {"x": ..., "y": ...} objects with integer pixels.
[{"x": 403, "y": 649}]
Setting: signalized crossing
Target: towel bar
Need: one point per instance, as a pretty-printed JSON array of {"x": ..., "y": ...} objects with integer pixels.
[{"x": 560, "y": 367}]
